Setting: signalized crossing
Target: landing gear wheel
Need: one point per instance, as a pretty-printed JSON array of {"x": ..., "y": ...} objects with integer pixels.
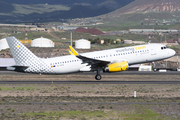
[
  {"x": 98, "y": 77},
  {"x": 155, "y": 70}
]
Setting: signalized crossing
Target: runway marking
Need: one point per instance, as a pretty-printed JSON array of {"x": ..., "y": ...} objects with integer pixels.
[{"x": 90, "y": 82}]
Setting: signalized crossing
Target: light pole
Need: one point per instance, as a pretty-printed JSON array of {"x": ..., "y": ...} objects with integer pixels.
[{"x": 71, "y": 31}]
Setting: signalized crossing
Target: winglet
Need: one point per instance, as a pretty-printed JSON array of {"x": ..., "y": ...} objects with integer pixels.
[{"x": 73, "y": 51}]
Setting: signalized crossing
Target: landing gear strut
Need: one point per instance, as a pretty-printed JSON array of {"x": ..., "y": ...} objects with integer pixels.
[
  {"x": 98, "y": 76},
  {"x": 154, "y": 66}
]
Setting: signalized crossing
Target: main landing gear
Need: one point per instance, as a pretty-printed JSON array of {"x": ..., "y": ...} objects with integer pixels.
[{"x": 98, "y": 76}]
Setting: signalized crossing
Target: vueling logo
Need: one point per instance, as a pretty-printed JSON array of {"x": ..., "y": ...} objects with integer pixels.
[{"x": 140, "y": 48}]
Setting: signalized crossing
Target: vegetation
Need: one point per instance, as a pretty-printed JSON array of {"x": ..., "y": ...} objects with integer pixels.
[
  {"x": 36, "y": 8},
  {"x": 16, "y": 88},
  {"x": 143, "y": 114}
]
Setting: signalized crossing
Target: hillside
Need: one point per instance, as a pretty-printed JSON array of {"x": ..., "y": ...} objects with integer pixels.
[
  {"x": 6, "y": 7},
  {"x": 147, "y": 6},
  {"x": 17, "y": 11},
  {"x": 147, "y": 14}
]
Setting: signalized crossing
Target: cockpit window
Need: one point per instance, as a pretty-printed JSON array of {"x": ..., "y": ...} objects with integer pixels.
[{"x": 162, "y": 48}]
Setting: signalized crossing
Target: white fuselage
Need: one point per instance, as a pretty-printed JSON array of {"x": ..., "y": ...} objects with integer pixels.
[{"x": 133, "y": 55}]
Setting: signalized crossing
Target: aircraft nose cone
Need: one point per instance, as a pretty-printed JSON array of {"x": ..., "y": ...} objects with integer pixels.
[{"x": 173, "y": 52}]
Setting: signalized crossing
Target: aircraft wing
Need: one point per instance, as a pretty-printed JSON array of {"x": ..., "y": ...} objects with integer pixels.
[{"x": 93, "y": 62}]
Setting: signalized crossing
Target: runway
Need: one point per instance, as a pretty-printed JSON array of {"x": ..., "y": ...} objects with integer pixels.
[
  {"x": 89, "y": 82},
  {"x": 114, "y": 73}
]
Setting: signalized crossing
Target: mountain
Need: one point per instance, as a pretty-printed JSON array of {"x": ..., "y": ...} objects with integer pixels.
[
  {"x": 53, "y": 10},
  {"x": 148, "y": 6},
  {"x": 111, "y": 4},
  {"x": 83, "y": 11},
  {"x": 6, "y": 7},
  {"x": 143, "y": 14}
]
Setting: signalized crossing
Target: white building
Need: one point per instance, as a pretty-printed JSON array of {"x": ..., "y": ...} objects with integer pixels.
[
  {"x": 42, "y": 42},
  {"x": 6, "y": 62},
  {"x": 3, "y": 44},
  {"x": 82, "y": 44}
]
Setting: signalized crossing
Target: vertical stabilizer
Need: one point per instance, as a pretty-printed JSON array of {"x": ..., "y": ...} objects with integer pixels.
[
  {"x": 21, "y": 55},
  {"x": 24, "y": 57}
]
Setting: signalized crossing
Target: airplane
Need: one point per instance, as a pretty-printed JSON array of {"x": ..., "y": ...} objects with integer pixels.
[{"x": 112, "y": 60}]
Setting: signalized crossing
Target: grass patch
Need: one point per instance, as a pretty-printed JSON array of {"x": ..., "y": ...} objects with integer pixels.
[
  {"x": 2, "y": 88},
  {"x": 145, "y": 114},
  {"x": 67, "y": 114}
]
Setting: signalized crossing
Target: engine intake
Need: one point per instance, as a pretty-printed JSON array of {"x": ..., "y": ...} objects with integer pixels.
[{"x": 117, "y": 67}]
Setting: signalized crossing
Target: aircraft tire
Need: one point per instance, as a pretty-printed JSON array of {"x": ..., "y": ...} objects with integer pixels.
[{"x": 98, "y": 77}]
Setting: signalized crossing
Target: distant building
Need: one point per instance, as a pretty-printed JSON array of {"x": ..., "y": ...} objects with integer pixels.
[
  {"x": 67, "y": 28},
  {"x": 38, "y": 29},
  {"x": 92, "y": 31},
  {"x": 141, "y": 30},
  {"x": 3, "y": 44},
  {"x": 6, "y": 62},
  {"x": 82, "y": 44},
  {"x": 138, "y": 42},
  {"x": 128, "y": 42},
  {"x": 151, "y": 30},
  {"x": 100, "y": 41},
  {"x": 26, "y": 41},
  {"x": 42, "y": 42}
]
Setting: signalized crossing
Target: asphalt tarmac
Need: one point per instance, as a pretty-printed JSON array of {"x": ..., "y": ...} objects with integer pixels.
[
  {"x": 114, "y": 73},
  {"x": 90, "y": 82},
  {"x": 95, "y": 81}
]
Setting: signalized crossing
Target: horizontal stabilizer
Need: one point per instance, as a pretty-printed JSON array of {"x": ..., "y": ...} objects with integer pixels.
[{"x": 17, "y": 68}]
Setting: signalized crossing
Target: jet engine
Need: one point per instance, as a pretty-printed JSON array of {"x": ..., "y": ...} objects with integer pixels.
[{"x": 117, "y": 67}]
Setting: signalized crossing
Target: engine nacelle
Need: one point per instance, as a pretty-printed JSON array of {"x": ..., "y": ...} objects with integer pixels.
[{"x": 117, "y": 67}]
